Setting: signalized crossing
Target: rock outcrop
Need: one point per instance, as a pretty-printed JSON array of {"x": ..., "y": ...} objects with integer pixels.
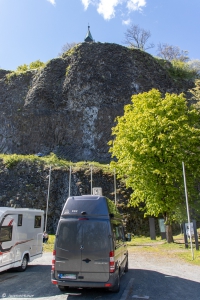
[{"x": 69, "y": 106}]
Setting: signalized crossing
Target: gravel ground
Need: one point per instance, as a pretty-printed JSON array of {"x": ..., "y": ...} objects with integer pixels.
[
  {"x": 160, "y": 276},
  {"x": 169, "y": 265}
]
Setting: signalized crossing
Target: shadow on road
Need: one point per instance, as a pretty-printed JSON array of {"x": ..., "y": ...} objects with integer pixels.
[{"x": 35, "y": 283}]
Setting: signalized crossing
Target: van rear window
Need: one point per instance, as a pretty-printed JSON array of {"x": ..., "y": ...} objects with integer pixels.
[
  {"x": 92, "y": 235},
  {"x": 98, "y": 207},
  {"x": 69, "y": 235}
]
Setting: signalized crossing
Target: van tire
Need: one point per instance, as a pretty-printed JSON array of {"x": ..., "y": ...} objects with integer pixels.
[
  {"x": 63, "y": 288},
  {"x": 116, "y": 286},
  {"x": 126, "y": 266},
  {"x": 24, "y": 264}
]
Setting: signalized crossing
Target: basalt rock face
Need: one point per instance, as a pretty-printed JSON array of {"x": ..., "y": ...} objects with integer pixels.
[
  {"x": 25, "y": 184},
  {"x": 70, "y": 105}
]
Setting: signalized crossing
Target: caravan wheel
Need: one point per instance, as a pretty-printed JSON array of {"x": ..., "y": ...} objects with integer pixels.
[{"x": 24, "y": 264}]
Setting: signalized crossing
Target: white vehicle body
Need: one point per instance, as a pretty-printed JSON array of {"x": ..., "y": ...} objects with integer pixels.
[{"x": 21, "y": 236}]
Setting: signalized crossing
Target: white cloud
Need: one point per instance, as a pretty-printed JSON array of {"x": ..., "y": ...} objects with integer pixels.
[
  {"x": 135, "y": 4},
  {"x": 126, "y": 22},
  {"x": 53, "y": 2},
  {"x": 86, "y": 3},
  {"x": 107, "y": 8}
]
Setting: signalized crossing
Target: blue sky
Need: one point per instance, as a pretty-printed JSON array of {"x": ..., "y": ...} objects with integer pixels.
[{"x": 37, "y": 29}]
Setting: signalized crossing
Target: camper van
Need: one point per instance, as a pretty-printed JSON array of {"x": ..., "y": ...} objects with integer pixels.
[
  {"x": 21, "y": 237},
  {"x": 90, "y": 249}
]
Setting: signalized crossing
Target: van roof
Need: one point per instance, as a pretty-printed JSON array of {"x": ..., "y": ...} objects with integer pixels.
[{"x": 90, "y": 205}]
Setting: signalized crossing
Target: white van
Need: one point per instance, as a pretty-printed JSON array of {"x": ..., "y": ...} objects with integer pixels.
[
  {"x": 90, "y": 246},
  {"x": 21, "y": 236}
]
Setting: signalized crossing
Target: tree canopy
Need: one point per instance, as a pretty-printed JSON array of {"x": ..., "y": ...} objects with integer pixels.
[
  {"x": 152, "y": 139},
  {"x": 137, "y": 37},
  {"x": 170, "y": 52},
  {"x": 66, "y": 47}
]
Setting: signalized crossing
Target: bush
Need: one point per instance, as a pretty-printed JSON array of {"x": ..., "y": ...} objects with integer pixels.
[{"x": 178, "y": 69}]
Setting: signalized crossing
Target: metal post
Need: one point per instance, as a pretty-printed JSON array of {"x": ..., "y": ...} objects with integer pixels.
[
  {"x": 91, "y": 177},
  {"x": 45, "y": 228},
  {"x": 115, "y": 187},
  {"x": 70, "y": 175},
  {"x": 188, "y": 215}
]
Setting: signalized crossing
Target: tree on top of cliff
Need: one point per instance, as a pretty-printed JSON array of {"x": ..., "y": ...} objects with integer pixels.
[
  {"x": 67, "y": 47},
  {"x": 170, "y": 52},
  {"x": 137, "y": 37},
  {"x": 152, "y": 139}
]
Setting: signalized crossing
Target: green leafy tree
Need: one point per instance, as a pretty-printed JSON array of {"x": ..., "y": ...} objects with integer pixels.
[{"x": 152, "y": 139}]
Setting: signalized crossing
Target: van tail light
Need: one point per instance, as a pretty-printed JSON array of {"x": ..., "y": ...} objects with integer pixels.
[
  {"x": 112, "y": 262},
  {"x": 53, "y": 260}
]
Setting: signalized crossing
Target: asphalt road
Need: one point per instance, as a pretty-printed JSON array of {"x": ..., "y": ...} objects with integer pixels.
[{"x": 149, "y": 277}]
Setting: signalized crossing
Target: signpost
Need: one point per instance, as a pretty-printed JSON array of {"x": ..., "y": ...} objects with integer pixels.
[{"x": 189, "y": 223}]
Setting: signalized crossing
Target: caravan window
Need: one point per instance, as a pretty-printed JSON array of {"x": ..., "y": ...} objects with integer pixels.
[
  {"x": 5, "y": 233},
  {"x": 19, "y": 222},
  {"x": 37, "y": 222}
]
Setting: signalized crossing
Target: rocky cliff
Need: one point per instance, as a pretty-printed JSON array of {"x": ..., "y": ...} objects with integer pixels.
[
  {"x": 25, "y": 184},
  {"x": 69, "y": 106}
]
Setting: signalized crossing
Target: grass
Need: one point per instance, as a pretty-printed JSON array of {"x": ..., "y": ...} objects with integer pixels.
[
  {"x": 160, "y": 247},
  {"x": 48, "y": 247},
  {"x": 146, "y": 245},
  {"x": 11, "y": 160}
]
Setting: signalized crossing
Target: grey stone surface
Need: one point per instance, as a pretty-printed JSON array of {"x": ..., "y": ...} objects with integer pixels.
[{"x": 70, "y": 105}]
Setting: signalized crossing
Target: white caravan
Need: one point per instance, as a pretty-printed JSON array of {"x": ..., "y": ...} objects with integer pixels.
[{"x": 21, "y": 236}]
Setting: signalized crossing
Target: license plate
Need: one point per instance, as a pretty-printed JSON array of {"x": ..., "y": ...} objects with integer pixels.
[{"x": 66, "y": 276}]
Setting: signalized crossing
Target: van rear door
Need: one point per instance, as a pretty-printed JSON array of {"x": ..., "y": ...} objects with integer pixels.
[
  {"x": 82, "y": 250},
  {"x": 68, "y": 252},
  {"x": 95, "y": 252}
]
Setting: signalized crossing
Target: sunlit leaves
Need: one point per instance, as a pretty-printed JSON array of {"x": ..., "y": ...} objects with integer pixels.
[{"x": 151, "y": 140}]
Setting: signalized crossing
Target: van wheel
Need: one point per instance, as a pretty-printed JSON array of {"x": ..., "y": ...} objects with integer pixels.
[
  {"x": 63, "y": 288},
  {"x": 116, "y": 287},
  {"x": 24, "y": 264},
  {"x": 126, "y": 266}
]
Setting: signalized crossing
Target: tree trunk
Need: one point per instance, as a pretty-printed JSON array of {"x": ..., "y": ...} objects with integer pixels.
[
  {"x": 169, "y": 235},
  {"x": 168, "y": 226}
]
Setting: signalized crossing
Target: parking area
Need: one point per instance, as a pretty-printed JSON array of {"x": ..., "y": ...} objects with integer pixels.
[{"x": 149, "y": 277}]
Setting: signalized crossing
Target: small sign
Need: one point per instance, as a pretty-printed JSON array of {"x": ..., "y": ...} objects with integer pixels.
[
  {"x": 97, "y": 191},
  {"x": 187, "y": 229},
  {"x": 162, "y": 225}
]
